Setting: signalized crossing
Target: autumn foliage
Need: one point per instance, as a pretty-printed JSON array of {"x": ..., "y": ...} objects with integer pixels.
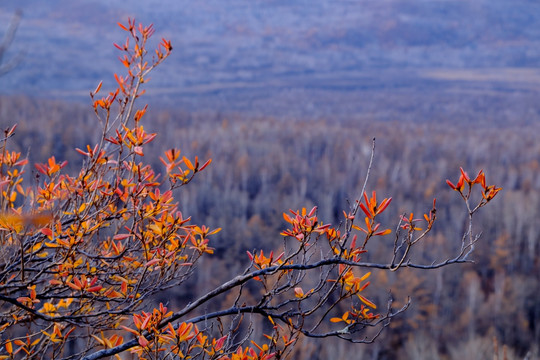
[{"x": 83, "y": 256}]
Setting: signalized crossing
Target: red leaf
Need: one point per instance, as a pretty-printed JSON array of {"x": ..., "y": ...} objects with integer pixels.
[
  {"x": 46, "y": 231},
  {"x": 138, "y": 150},
  {"x": 95, "y": 288},
  {"x": 205, "y": 164}
]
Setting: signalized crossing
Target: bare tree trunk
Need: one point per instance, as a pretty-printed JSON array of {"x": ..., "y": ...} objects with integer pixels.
[{"x": 7, "y": 40}]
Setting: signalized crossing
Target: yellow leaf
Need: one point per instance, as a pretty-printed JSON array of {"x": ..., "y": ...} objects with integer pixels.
[
  {"x": 35, "y": 342},
  {"x": 98, "y": 340},
  {"x": 48, "y": 308},
  {"x": 36, "y": 247},
  {"x": 215, "y": 231},
  {"x": 78, "y": 262}
]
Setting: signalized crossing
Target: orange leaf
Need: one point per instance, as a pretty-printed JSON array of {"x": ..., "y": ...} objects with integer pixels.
[
  {"x": 134, "y": 332},
  {"x": 384, "y": 205},
  {"x": 73, "y": 286},
  {"x": 385, "y": 232},
  {"x": 123, "y": 287},
  {"x": 367, "y": 302},
  {"x": 188, "y": 163},
  {"x": 365, "y": 276},
  {"x": 78, "y": 283},
  {"x": 99, "y": 86}
]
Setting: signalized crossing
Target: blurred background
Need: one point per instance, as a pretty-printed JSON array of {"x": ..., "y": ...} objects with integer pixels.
[{"x": 285, "y": 97}]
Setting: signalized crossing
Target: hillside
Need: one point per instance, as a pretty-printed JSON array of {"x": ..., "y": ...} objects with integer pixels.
[{"x": 291, "y": 58}]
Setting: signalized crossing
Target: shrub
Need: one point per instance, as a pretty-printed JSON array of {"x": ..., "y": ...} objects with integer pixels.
[{"x": 84, "y": 256}]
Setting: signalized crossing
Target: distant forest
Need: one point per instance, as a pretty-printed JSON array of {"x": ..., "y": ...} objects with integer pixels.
[{"x": 264, "y": 166}]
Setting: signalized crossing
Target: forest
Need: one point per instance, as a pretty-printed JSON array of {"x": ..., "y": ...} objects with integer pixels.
[{"x": 263, "y": 166}]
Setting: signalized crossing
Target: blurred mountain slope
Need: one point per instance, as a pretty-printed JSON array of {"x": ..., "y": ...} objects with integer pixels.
[{"x": 292, "y": 58}]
